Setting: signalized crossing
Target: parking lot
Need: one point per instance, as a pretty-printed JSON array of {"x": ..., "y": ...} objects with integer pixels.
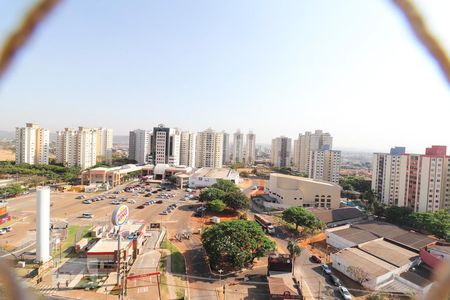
[{"x": 65, "y": 207}]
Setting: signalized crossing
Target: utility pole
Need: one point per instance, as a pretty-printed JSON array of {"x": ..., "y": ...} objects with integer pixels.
[
  {"x": 318, "y": 295},
  {"x": 159, "y": 287}
]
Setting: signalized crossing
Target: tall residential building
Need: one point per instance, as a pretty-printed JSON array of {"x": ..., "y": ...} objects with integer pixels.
[
  {"x": 306, "y": 143},
  {"x": 281, "y": 152},
  {"x": 250, "y": 148},
  {"x": 209, "y": 149},
  {"x": 165, "y": 147},
  {"x": 188, "y": 145},
  {"x": 77, "y": 147},
  {"x": 32, "y": 144},
  {"x": 325, "y": 165},
  {"x": 139, "y": 146},
  {"x": 226, "y": 157},
  {"x": 418, "y": 181},
  {"x": 238, "y": 147},
  {"x": 104, "y": 145}
]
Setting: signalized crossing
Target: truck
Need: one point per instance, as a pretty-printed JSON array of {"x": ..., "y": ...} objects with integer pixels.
[{"x": 265, "y": 223}]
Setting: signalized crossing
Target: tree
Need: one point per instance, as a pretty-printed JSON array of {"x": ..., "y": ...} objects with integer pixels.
[
  {"x": 34, "y": 181},
  {"x": 300, "y": 217},
  {"x": 172, "y": 179},
  {"x": 212, "y": 193},
  {"x": 358, "y": 274},
  {"x": 244, "y": 174},
  {"x": 236, "y": 200},
  {"x": 294, "y": 251},
  {"x": 235, "y": 243},
  {"x": 216, "y": 205},
  {"x": 225, "y": 185}
]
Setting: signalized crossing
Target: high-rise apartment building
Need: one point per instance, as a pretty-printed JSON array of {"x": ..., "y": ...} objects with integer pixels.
[
  {"x": 325, "y": 165},
  {"x": 306, "y": 143},
  {"x": 238, "y": 147},
  {"x": 281, "y": 152},
  {"x": 250, "y": 148},
  {"x": 104, "y": 145},
  {"x": 418, "y": 181},
  {"x": 77, "y": 147},
  {"x": 139, "y": 146},
  {"x": 188, "y": 143},
  {"x": 165, "y": 148},
  {"x": 209, "y": 149},
  {"x": 32, "y": 144},
  {"x": 226, "y": 148}
]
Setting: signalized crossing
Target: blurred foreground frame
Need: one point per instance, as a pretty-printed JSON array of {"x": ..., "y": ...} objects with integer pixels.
[{"x": 12, "y": 288}]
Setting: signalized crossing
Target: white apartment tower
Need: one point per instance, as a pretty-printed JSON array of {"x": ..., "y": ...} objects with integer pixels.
[
  {"x": 32, "y": 144},
  {"x": 104, "y": 145},
  {"x": 139, "y": 146},
  {"x": 250, "y": 148},
  {"x": 209, "y": 149},
  {"x": 306, "y": 143},
  {"x": 281, "y": 152},
  {"x": 238, "y": 147},
  {"x": 165, "y": 146},
  {"x": 77, "y": 147},
  {"x": 325, "y": 165},
  {"x": 188, "y": 141},
  {"x": 226, "y": 148}
]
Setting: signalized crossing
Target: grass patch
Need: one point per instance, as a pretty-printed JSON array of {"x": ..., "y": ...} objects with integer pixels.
[
  {"x": 70, "y": 240},
  {"x": 9, "y": 223},
  {"x": 91, "y": 281},
  {"x": 176, "y": 258}
]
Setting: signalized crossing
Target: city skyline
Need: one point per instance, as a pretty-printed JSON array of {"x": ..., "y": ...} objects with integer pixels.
[{"x": 273, "y": 62}]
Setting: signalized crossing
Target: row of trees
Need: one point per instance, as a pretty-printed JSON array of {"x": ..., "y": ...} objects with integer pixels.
[
  {"x": 53, "y": 173},
  {"x": 437, "y": 223},
  {"x": 224, "y": 194},
  {"x": 11, "y": 190},
  {"x": 301, "y": 217}
]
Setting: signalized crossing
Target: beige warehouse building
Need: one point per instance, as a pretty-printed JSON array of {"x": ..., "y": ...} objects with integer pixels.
[{"x": 299, "y": 191}]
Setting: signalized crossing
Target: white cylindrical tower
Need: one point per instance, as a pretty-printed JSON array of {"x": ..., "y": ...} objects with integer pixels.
[{"x": 43, "y": 224}]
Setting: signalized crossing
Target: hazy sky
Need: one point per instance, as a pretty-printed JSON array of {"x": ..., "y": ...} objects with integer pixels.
[{"x": 352, "y": 68}]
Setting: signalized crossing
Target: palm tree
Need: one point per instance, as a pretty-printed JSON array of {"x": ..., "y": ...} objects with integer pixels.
[{"x": 294, "y": 251}]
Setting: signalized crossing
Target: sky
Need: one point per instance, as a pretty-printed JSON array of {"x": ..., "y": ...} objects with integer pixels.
[{"x": 352, "y": 68}]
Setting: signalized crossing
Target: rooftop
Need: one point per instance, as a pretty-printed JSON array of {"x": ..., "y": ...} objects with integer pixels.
[
  {"x": 355, "y": 235},
  {"x": 218, "y": 173},
  {"x": 389, "y": 252},
  {"x": 281, "y": 285},
  {"x": 413, "y": 240},
  {"x": 373, "y": 266},
  {"x": 298, "y": 178},
  {"x": 104, "y": 246},
  {"x": 419, "y": 276},
  {"x": 336, "y": 215}
]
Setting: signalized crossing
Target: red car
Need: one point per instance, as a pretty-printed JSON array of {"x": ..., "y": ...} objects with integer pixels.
[{"x": 316, "y": 259}]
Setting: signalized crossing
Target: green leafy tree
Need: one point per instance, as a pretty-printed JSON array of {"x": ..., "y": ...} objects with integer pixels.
[
  {"x": 225, "y": 185},
  {"x": 235, "y": 243},
  {"x": 301, "y": 217},
  {"x": 236, "y": 200},
  {"x": 172, "y": 179},
  {"x": 216, "y": 205},
  {"x": 294, "y": 250},
  {"x": 354, "y": 183},
  {"x": 212, "y": 193}
]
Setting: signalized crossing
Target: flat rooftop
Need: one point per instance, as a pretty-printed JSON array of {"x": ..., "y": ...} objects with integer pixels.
[
  {"x": 298, "y": 178},
  {"x": 389, "y": 252},
  {"x": 373, "y": 266},
  {"x": 355, "y": 235},
  {"x": 217, "y": 173},
  {"x": 104, "y": 246},
  {"x": 336, "y": 215}
]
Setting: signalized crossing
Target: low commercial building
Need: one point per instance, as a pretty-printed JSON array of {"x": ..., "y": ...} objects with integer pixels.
[
  {"x": 339, "y": 216},
  {"x": 206, "y": 177},
  {"x": 299, "y": 191},
  {"x": 102, "y": 256},
  {"x": 163, "y": 171},
  {"x": 109, "y": 176}
]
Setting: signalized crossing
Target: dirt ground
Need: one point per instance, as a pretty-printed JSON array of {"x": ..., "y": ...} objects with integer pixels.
[{"x": 6, "y": 154}]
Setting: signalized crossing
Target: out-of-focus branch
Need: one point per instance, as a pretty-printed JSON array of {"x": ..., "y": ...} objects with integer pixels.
[
  {"x": 422, "y": 32},
  {"x": 18, "y": 38}
]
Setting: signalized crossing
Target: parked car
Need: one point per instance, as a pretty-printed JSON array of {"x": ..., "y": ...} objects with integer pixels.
[
  {"x": 131, "y": 201},
  {"x": 316, "y": 259},
  {"x": 87, "y": 202},
  {"x": 141, "y": 206},
  {"x": 345, "y": 293},
  {"x": 87, "y": 215},
  {"x": 8, "y": 229},
  {"x": 335, "y": 281},
  {"x": 81, "y": 197},
  {"x": 326, "y": 269},
  {"x": 148, "y": 195},
  {"x": 164, "y": 212},
  {"x": 2, "y": 231},
  {"x": 159, "y": 202},
  {"x": 115, "y": 202}
]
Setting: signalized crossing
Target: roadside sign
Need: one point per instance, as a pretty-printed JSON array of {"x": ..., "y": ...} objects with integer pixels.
[
  {"x": 155, "y": 225},
  {"x": 120, "y": 215}
]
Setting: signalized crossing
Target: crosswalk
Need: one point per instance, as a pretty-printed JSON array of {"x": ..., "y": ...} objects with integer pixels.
[{"x": 45, "y": 289}]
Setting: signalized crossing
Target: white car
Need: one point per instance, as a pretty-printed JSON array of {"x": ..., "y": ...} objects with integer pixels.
[
  {"x": 131, "y": 201},
  {"x": 345, "y": 293},
  {"x": 115, "y": 202},
  {"x": 87, "y": 215}
]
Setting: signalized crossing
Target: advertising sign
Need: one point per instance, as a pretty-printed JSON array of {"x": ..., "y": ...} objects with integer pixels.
[{"x": 120, "y": 215}]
